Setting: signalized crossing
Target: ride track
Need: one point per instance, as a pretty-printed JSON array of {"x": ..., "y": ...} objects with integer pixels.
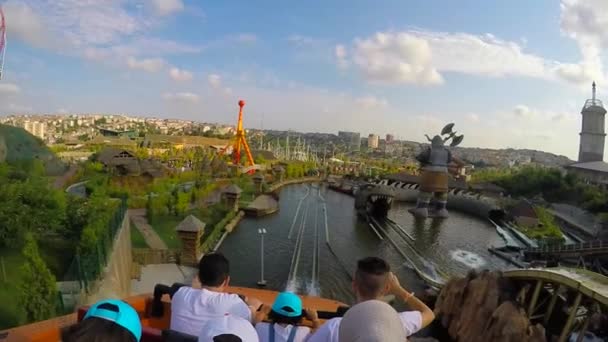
[
  {"x": 427, "y": 271},
  {"x": 316, "y": 251}
]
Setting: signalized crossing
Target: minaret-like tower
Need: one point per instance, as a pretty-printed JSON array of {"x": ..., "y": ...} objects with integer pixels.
[{"x": 593, "y": 133}]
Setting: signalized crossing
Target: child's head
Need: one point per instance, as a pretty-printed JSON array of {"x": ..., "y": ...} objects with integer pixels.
[
  {"x": 287, "y": 309},
  {"x": 107, "y": 320}
]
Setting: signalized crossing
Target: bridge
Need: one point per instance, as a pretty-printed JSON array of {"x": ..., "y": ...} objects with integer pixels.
[
  {"x": 585, "y": 249},
  {"x": 582, "y": 292}
]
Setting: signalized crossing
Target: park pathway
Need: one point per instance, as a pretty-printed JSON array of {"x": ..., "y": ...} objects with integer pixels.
[
  {"x": 61, "y": 181},
  {"x": 138, "y": 217}
]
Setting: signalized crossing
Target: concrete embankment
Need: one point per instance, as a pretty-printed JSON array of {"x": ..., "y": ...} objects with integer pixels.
[
  {"x": 229, "y": 228},
  {"x": 279, "y": 185}
]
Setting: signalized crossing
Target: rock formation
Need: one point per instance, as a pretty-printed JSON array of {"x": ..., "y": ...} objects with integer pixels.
[{"x": 481, "y": 307}]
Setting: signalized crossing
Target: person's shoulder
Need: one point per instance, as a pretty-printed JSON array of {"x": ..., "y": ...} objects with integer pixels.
[
  {"x": 326, "y": 330},
  {"x": 411, "y": 320},
  {"x": 182, "y": 293}
]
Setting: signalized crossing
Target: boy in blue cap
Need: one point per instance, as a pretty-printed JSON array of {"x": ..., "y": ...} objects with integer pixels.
[
  {"x": 285, "y": 316},
  {"x": 107, "y": 321}
]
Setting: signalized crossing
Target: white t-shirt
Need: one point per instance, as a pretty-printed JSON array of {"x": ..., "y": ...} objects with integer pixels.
[
  {"x": 190, "y": 308},
  {"x": 328, "y": 332},
  {"x": 281, "y": 333}
]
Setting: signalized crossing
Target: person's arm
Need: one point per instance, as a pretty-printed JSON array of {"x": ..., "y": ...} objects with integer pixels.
[
  {"x": 261, "y": 315},
  {"x": 254, "y": 305},
  {"x": 313, "y": 316},
  {"x": 408, "y": 297}
]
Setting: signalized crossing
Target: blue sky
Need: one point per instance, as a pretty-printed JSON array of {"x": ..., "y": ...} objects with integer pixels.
[{"x": 509, "y": 73}]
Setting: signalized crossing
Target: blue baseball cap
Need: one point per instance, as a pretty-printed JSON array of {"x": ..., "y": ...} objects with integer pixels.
[
  {"x": 126, "y": 316},
  {"x": 288, "y": 304}
]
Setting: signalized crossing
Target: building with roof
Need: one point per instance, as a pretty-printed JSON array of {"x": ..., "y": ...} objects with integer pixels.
[{"x": 591, "y": 166}]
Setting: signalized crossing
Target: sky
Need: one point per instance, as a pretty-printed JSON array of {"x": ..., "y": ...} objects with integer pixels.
[{"x": 508, "y": 73}]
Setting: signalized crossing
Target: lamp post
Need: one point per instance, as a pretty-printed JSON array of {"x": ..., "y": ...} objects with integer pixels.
[{"x": 262, "y": 232}]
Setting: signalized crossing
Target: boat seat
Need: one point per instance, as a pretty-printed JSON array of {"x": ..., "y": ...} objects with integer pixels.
[{"x": 176, "y": 336}]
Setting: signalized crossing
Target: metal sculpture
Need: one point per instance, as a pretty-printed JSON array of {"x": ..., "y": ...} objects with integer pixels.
[{"x": 435, "y": 161}]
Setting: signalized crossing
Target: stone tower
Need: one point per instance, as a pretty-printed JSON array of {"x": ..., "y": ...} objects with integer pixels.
[{"x": 592, "y": 134}]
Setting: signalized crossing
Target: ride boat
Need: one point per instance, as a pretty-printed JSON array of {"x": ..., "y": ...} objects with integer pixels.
[{"x": 154, "y": 311}]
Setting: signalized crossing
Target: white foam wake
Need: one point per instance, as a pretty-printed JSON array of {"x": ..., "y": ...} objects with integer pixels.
[{"x": 467, "y": 258}]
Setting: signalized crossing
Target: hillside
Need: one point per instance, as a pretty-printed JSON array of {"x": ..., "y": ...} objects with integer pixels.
[{"x": 16, "y": 144}]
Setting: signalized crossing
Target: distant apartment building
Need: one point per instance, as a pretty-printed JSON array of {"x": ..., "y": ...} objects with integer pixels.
[
  {"x": 352, "y": 139},
  {"x": 36, "y": 128},
  {"x": 390, "y": 138},
  {"x": 373, "y": 141}
]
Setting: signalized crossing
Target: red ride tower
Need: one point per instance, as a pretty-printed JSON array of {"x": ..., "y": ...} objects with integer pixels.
[{"x": 239, "y": 140}]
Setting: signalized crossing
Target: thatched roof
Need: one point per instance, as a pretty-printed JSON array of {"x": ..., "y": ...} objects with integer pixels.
[
  {"x": 115, "y": 156},
  {"x": 191, "y": 224},
  {"x": 233, "y": 189}
]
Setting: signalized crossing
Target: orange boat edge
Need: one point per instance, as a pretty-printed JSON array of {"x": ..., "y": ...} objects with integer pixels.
[{"x": 152, "y": 327}]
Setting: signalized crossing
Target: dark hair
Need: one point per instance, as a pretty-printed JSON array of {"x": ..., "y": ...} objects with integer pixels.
[
  {"x": 95, "y": 329},
  {"x": 227, "y": 338},
  {"x": 276, "y": 317},
  {"x": 213, "y": 269},
  {"x": 371, "y": 276}
]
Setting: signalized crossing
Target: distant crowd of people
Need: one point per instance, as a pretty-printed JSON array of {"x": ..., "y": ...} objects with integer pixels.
[{"x": 212, "y": 314}]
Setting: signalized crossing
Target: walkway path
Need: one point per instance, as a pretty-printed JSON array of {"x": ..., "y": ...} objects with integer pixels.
[
  {"x": 63, "y": 179},
  {"x": 138, "y": 217}
]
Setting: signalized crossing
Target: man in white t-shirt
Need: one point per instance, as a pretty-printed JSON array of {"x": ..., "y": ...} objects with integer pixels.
[
  {"x": 191, "y": 308},
  {"x": 373, "y": 280}
]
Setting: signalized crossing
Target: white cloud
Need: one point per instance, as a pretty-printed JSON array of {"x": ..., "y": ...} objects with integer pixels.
[
  {"x": 523, "y": 111},
  {"x": 146, "y": 64},
  {"x": 184, "y": 97},
  {"x": 167, "y": 7},
  {"x": 9, "y": 89},
  {"x": 371, "y": 102},
  {"x": 214, "y": 80},
  {"x": 394, "y": 58},
  {"x": 421, "y": 57},
  {"x": 180, "y": 74},
  {"x": 585, "y": 22},
  {"x": 472, "y": 117},
  {"x": 25, "y": 24},
  {"x": 340, "y": 52}
]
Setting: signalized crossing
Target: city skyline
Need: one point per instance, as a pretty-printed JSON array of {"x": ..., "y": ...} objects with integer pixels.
[{"x": 511, "y": 75}]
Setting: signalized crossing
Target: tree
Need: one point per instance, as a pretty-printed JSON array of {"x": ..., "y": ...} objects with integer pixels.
[
  {"x": 182, "y": 203},
  {"x": 37, "y": 290}
]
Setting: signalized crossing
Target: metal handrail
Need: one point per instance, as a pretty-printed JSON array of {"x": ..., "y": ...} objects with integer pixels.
[
  {"x": 575, "y": 247},
  {"x": 593, "y": 102}
]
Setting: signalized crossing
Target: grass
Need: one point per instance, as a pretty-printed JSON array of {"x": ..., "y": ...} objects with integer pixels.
[
  {"x": 165, "y": 225},
  {"x": 137, "y": 239},
  {"x": 548, "y": 229},
  {"x": 10, "y": 313}
]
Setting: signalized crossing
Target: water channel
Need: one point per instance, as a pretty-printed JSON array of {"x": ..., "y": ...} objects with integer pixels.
[{"x": 298, "y": 258}]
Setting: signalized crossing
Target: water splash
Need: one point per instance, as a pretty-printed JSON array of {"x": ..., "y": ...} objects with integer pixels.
[
  {"x": 313, "y": 288},
  {"x": 467, "y": 258},
  {"x": 292, "y": 286}
]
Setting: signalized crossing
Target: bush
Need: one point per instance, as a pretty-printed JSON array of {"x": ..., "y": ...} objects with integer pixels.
[{"x": 38, "y": 290}]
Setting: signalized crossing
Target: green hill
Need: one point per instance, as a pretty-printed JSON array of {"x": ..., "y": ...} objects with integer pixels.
[{"x": 16, "y": 144}]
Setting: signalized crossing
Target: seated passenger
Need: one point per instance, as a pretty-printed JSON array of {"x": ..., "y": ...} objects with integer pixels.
[
  {"x": 372, "y": 321},
  {"x": 285, "y": 316},
  {"x": 227, "y": 328},
  {"x": 191, "y": 308},
  {"x": 106, "y": 321},
  {"x": 374, "y": 279}
]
